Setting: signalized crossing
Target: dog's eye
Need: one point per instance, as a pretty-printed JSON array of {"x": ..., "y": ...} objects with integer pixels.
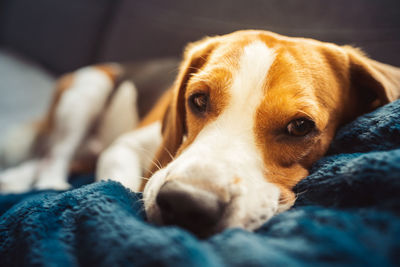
[
  {"x": 198, "y": 102},
  {"x": 300, "y": 127}
]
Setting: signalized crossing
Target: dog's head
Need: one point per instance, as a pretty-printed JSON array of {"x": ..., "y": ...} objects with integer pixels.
[{"x": 250, "y": 112}]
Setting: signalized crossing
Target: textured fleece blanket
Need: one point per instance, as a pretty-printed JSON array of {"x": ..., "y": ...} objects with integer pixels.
[{"x": 347, "y": 213}]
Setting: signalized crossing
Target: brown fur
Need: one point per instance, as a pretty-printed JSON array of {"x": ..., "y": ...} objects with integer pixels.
[{"x": 328, "y": 83}]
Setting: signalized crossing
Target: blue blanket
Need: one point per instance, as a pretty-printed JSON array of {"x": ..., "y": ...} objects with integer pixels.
[{"x": 347, "y": 213}]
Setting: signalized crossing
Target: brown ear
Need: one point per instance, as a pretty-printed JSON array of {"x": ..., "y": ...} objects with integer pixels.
[
  {"x": 174, "y": 121},
  {"x": 374, "y": 83}
]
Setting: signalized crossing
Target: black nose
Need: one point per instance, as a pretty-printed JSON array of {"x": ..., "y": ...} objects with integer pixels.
[{"x": 192, "y": 208}]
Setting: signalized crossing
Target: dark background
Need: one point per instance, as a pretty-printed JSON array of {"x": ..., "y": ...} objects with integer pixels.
[{"x": 64, "y": 35}]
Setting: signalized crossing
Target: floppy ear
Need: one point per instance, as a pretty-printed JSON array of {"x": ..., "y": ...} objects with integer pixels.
[
  {"x": 373, "y": 83},
  {"x": 174, "y": 121}
]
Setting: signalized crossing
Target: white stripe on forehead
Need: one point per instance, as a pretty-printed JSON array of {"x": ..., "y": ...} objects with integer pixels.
[
  {"x": 255, "y": 62},
  {"x": 246, "y": 94},
  {"x": 247, "y": 90}
]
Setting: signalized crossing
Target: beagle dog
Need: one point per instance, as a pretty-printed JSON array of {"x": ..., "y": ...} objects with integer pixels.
[{"x": 248, "y": 114}]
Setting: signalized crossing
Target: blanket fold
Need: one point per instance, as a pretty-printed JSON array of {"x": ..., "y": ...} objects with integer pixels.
[{"x": 346, "y": 213}]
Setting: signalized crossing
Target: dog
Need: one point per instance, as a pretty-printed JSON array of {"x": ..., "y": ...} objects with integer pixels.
[{"x": 246, "y": 117}]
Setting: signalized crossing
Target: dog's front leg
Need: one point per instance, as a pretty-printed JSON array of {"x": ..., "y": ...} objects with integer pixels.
[
  {"x": 78, "y": 108},
  {"x": 130, "y": 156},
  {"x": 80, "y": 103}
]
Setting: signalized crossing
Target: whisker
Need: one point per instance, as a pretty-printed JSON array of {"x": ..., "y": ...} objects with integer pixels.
[
  {"x": 301, "y": 193},
  {"x": 169, "y": 153},
  {"x": 157, "y": 164},
  {"x": 148, "y": 170},
  {"x": 150, "y": 157}
]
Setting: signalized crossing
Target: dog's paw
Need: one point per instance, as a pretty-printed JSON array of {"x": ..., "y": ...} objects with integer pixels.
[
  {"x": 18, "y": 179},
  {"x": 55, "y": 184},
  {"x": 53, "y": 175},
  {"x": 9, "y": 183}
]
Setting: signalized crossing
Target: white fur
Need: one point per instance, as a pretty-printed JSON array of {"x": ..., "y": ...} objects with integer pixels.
[
  {"x": 121, "y": 116},
  {"x": 129, "y": 156},
  {"x": 226, "y": 150},
  {"x": 19, "y": 179}
]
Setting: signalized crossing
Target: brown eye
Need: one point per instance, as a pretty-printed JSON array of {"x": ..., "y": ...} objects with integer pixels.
[
  {"x": 198, "y": 102},
  {"x": 300, "y": 127}
]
